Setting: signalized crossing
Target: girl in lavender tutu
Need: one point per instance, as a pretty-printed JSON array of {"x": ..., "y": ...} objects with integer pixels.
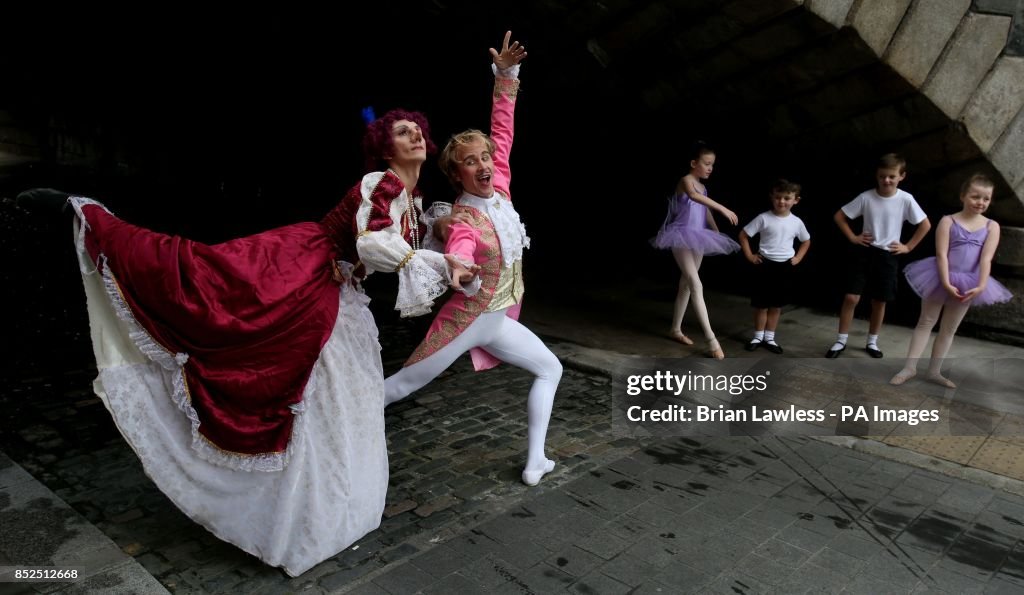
[
  {"x": 691, "y": 233},
  {"x": 956, "y": 277}
]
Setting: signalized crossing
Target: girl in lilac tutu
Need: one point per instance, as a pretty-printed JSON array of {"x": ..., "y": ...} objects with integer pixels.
[
  {"x": 690, "y": 233},
  {"x": 955, "y": 278}
]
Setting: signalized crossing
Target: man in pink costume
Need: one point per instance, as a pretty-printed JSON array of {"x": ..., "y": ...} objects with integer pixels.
[{"x": 482, "y": 319}]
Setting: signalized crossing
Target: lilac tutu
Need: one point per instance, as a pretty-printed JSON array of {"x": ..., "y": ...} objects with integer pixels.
[
  {"x": 964, "y": 257},
  {"x": 686, "y": 227}
]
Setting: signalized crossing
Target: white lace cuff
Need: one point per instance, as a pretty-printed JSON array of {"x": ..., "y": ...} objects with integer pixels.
[
  {"x": 430, "y": 216},
  {"x": 473, "y": 286},
  {"x": 422, "y": 279},
  {"x": 512, "y": 72}
]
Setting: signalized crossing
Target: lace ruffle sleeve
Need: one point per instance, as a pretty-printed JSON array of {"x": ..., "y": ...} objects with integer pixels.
[{"x": 422, "y": 274}]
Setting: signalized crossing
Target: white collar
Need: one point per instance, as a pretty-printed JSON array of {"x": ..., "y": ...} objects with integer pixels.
[{"x": 511, "y": 231}]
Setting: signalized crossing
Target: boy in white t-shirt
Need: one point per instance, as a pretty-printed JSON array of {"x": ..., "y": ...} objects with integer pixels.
[
  {"x": 774, "y": 261},
  {"x": 873, "y": 265}
]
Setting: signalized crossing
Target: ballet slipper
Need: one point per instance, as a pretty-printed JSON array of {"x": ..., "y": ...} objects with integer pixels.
[
  {"x": 531, "y": 477},
  {"x": 715, "y": 350},
  {"x": 679, "y": 336},
  {"x": 941, "y": 380},
  {"x": 902, "y": 376}
]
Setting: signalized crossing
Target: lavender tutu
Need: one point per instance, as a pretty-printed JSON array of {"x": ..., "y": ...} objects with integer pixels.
[
  {"x": 686, "y": 227},
  {"x": 964, "y": 257}
]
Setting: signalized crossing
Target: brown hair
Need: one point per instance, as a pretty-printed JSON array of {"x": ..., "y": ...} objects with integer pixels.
[
  {"x": 979, "y": 179},
  {"x": 448, "y": 160},
  {"x": 892, "y": 161},
  {"x": 785, "y": 186},
  {"x": 700, "y": 149}
]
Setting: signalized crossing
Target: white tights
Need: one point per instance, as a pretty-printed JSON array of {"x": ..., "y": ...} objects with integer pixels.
[
  {"x": 690, "y": 286},
  {"x": 952, "y": 315},
  {"x": 509, "y": 341}
]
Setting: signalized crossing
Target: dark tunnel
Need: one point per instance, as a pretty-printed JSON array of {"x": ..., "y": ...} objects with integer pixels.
[{"x": 226, "y": 125}]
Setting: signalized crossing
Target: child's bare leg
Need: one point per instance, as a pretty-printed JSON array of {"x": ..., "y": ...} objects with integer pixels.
[
  {"x": 771, "y": 323},
  {"x": 682, "y": 300},
  {"x": 877, "y": 316},
  {"x": 925, "y": 322},
  {"x": 874, "y": 326},
  {"x": 952, "y": 315},
  {"x": 850, "y": 302},
  {"x": 760, "y": 319}
]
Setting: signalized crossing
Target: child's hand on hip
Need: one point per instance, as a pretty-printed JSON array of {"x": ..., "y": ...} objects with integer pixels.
[
  {"x": 898, "y": 248},
  {"x": 863, "y": 239}
]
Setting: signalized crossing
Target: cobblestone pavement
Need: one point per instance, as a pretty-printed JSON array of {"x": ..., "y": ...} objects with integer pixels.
[{"x": 456, "y": 450}]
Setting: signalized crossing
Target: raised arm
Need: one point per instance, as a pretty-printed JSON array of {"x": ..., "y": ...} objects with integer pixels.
[{"x": 506, "y": 88}]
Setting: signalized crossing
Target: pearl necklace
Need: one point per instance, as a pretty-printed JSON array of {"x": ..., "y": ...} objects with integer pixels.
[{"x": 411, "y": 219}]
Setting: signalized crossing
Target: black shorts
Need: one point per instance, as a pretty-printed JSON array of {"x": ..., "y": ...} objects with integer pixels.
[
  {"x": 773, "y": 284},
  {"x": 872, "y": 272}
]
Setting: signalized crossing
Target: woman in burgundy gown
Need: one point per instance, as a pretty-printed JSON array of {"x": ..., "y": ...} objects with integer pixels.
[{"x": 246, "y": 375}]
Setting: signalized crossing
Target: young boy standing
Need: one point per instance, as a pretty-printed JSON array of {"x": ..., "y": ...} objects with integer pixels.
[
  {"x": 873, "y": 265},
  {"x": 774, "y": 261}
]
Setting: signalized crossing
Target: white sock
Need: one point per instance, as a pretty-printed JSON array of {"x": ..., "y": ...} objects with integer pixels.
[
  {"x": 840, "y": 341},
  {"x": 873, "y": 341},
  {"x": 769, "y": 337},
  {"x": 758, "y": 337}
]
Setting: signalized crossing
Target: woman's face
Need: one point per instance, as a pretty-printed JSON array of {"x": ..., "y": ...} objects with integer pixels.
[
  {"x": 475, "y": 168},
  {"x": 409, "y": 146}
]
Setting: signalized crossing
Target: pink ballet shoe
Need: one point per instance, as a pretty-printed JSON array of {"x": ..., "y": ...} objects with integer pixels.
[
  {"x": 941, "y": 380},
  {"x": 679, "y": 336},
  {"x": 902, "y": 376},
  {"x": 532, "y": 477},
  {"x": 715, "y": 349}
]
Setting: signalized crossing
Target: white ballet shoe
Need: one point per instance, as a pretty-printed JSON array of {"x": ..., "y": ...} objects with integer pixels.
[{"x": 532, "y": 477}]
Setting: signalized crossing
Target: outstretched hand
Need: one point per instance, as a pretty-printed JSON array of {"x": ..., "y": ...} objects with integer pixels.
[
  {"x": 730, "y": 216},
  {"x": 509, "y": 55},
  {"x": 460, "y": 272}
]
